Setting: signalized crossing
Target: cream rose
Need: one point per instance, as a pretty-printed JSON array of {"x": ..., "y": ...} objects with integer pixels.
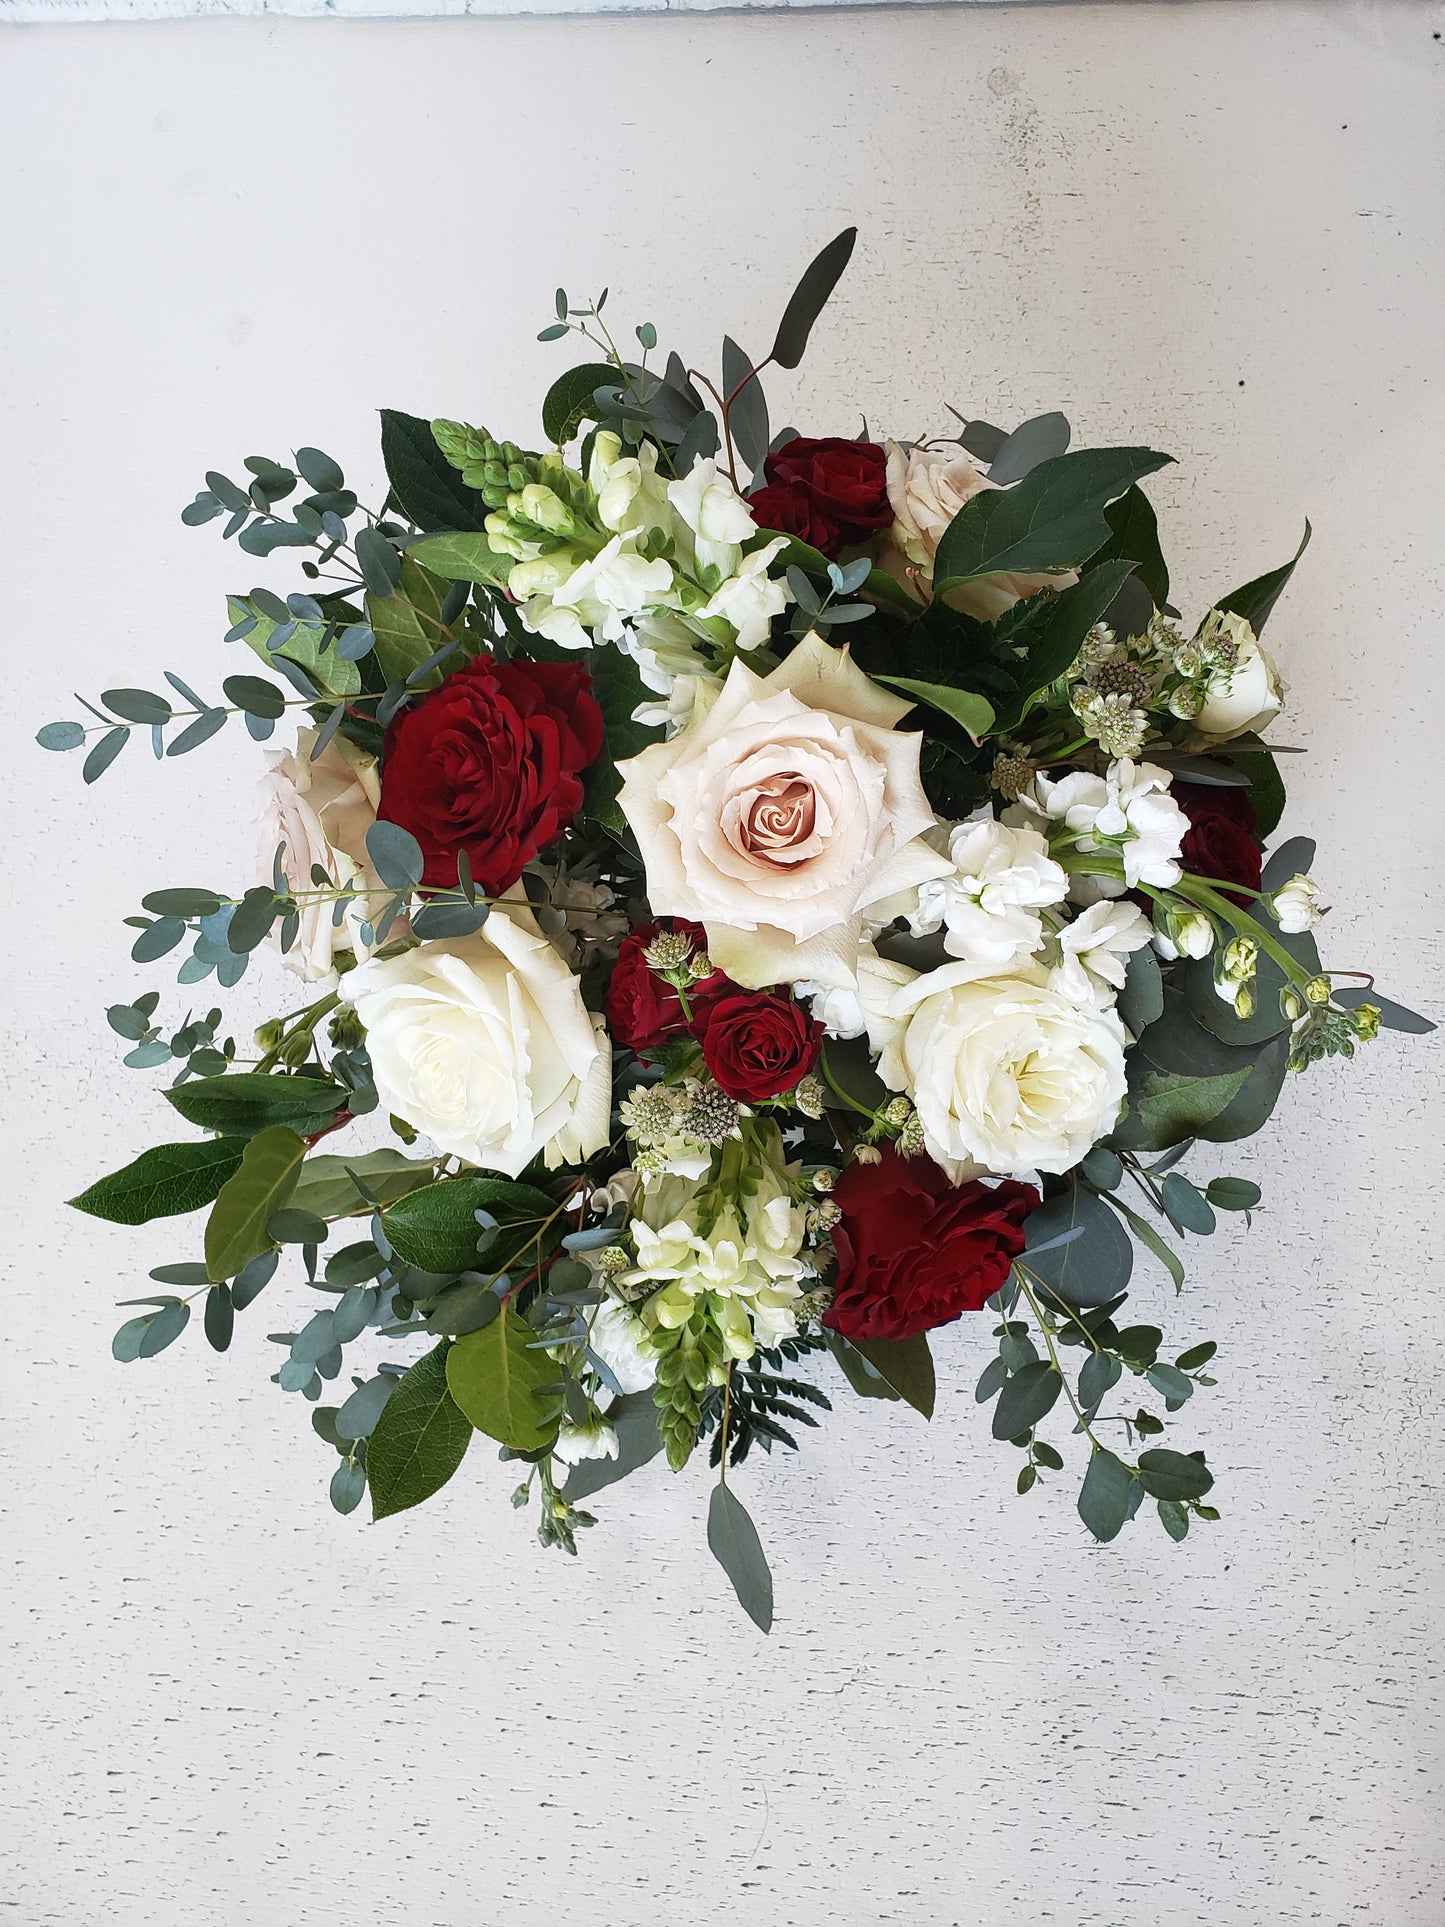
[
  {"x": 1245, "y": 693},
  {"x": 788, "y": 810},
  {"x": 484, "y": 1044},
  {"x": 926, "y": 488},
  {"x": 320, "y": 811},
  {"x": 1007, "y": 1074}
]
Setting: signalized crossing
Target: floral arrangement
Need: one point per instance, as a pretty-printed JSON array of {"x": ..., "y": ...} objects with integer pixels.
[{"x": 758, "y": 898}]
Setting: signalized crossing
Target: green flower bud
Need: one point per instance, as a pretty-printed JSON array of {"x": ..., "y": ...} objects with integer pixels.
[{"x": 1367, "y": 1022}]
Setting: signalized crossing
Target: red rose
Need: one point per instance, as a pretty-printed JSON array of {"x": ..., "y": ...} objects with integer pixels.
[
  {"x": 915, "y": 1251},
  {"x": 828, "y": 492},
  {"x": 1220, "y": 841},
  {"x": 643, "y": 1010},
  {"x": 757, "y": 1044},
  {"x": 491, "y": 763}
]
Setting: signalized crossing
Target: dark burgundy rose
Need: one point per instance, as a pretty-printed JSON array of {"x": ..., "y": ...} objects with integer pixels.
[
  {"x": 915, "y": 1251},
  {"x": 828, "y": 492},
  {"x": 757, "y": 1044},
  {"x": 643, "y": 1010},
  {"x": 1221, "y": 840},
  {"x": 491, "y": 763}
]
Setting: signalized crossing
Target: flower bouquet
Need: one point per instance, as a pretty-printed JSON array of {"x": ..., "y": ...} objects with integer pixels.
[{"x": 758, "y": 898}]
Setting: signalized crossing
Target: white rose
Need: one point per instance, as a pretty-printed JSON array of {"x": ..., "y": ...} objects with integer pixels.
[
  {"x": 989, "y": 907},
  {"x": 484, "y": 1044},
  {"x": 787, "y": 810},
  {"x": 926, "y": 488},
  {"x": 1129, "y": 810},
  {"x": 1007, "y": 1074},
  {"x": 1245, "y": 695},
  {"x": 321, "y": 812}
]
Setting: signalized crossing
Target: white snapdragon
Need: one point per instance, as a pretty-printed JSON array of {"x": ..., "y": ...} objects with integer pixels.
[
  {"x": 989, "y": 907},
  {"x": 1296, "y": 905},
  {"x": 1093, "y": 950},
  {"x": 749, "y": 598},
  {"x": 714, "y": 514},
  {"x": 597, "y": 599},
  {"x": 1130, "y": 811}
]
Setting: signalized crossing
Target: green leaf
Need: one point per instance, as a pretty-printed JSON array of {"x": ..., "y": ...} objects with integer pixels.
[
  {"x": 1174, "y": 1518},
  {"x": 144, "y": 1337},
  {"x": 61, "y": 736},
  {"x": 733, "y": 1541},
  {"x": 420, "y": 1439},
  {"x": 1256, "y": 599},
  {"x": 1101, "y": 1373},
  {"x": 408, "y": 625},
  {"x": 1266, "y": 786},
  {"x": 1252, "y": 1108},
  {"x": 904, "y": 1363},
  {"x": 220, "y": 1318},
  {"x": 330, "y": 671},
  {"x": 464, "y": 558},
  {"x": 1171, "y": 1108},
  {"x": 1186, "y": 1205},
  {"x": 326, "y": 1188},
  {"x": 618, "y": 689},
  {"x": 1029, "y": 1395},
  {"x": 1089, "y": 1270},
  {"x": 1150, "y": 1239},
  {"x": 1065, "y": 620},
  {"x": 236, "y": 1230},
  {"x": 436, "y": 1228},
  {"x": 570, "y": 400},
  {"x": 1197, "y": 1356},
  {"x": 1134, "y": 536},
  {"x": 866, "y": 1382},
  {"x": 975, "y": 713},
  {"x": 496, "y": 1375},
  {"x": 634, "y": 1419},
  {"x": 466, "y": 1307},
  {"x": 1051, "y": 521},
  {"x": 877, "y": 583},
  {"x": 1107, "y": 1499},
  {"x": 348, "y": 1486},
  {"x": 1141, "y": 1001},
  {"x": 427, "y": 488},
  {"x": 240, "y": 1103},
  {"x": 103, "y": 753},
  {"x": 809, "y": 298},
  {"x": 1173, "y": 1475},
  {"x": 164, "y": 1182},
  {"x": 1040, "y": 439}
]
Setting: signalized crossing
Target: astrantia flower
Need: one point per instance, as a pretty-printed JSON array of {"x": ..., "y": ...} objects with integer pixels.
[
  {"x": 787, "y": 811},
  {"x": 484, "y": 1044},
  {"x": 1008, "y": 1075},
  {"x": 1129, "y": 811},
  {"x": 989, "y": 906}
]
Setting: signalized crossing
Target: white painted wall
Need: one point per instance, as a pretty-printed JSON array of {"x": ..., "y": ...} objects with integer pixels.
[{"x": 1217, "y": 228}]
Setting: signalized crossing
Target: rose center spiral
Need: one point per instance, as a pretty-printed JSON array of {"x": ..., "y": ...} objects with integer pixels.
[{"x": 779, "y": 814}]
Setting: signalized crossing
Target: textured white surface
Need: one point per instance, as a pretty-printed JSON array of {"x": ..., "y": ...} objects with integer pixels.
[{"x": 1217, "y": 229}]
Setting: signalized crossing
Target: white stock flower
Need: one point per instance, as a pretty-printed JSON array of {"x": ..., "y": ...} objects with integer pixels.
[
  {"x": 595, "y": 1440},
  {"x": 1093, "y": 949},
  {"x": 1130, "y": 810},
  {"x": 1006, "y": 1073},
  {"x": 749, "y": 599},
  {"x": 620, "y": 1339},
  {"x": 1296, "y": 905},
  {"x": 1002, "y": 877},
  {"x": 860, "y": 1009},
  {"x": 484, "y": 1044},
  {"x": 926, "y": 488},
  {"x": 321, "y": 812},
  {"x": 788, "y": 810},
  {"x": 1243, "y": 694}
]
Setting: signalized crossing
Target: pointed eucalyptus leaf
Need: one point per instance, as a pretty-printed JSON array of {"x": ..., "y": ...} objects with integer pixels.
[
  {"x": 809, "y": 298},
  {"x": 1038, "y": 440},
  {"x": 634, "y": 1419},
  {"x": 733, "y": 1541}
]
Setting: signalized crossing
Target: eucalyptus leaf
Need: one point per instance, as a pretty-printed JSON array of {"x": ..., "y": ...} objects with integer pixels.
[
  {"x": 809, "y": 298},
  {"x": 733, "y": 1541}
]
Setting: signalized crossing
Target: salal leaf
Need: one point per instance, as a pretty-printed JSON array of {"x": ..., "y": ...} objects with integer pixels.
[
  {"x": 327, "y": 668},
  {"x": 236, "y": 1230},
  {"x": 408, "y": 625},
  {"x": 571, "y": 399},
  {"x": 163, "y": 1182},
  {"x": 733, "y": 1541},
  {"x": 420, "y": 1439},
  {"x": 427, "y": 488},
  {"x": 634, "y": 1419},
  {"x": 1256, "y": 599},
  {"x": 496, "y": 1376},
  {"x": 464, "y": 558},
  {"x": 240, "y": 1103},
  {"x": 865, "y": 1379},
  {"x": 436, "y": 1228},
  {"x": 327, "y": 1189},
  {"x": 904, "y": 1363},
  {"x": 975, "y": 713},
  {"x": 1051, "y": 521}
]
